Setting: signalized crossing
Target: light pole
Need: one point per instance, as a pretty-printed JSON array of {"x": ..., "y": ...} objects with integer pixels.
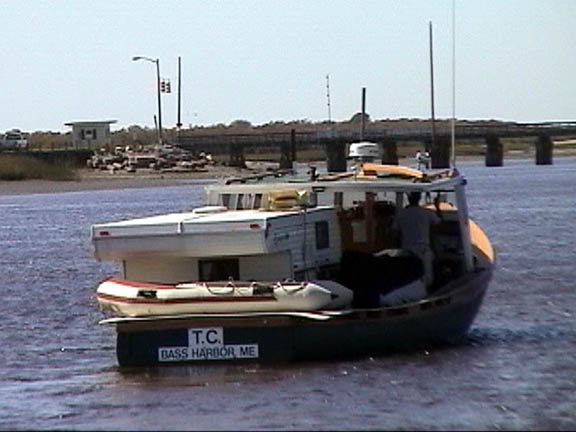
[{"x": 157, "y": 61}]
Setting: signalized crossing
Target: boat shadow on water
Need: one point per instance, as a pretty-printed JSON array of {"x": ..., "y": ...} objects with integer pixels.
[{"x": 539, "y": 334}]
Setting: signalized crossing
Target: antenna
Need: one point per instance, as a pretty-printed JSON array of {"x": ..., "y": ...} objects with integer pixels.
[
  {"x": 453, "y": 131},
  {"x": 328, "y": 97}
]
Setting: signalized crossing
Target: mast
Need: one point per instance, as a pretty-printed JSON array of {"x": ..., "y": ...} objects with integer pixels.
[
  {"x": 453, "y": 123},
  {"x": 433, "y": 143}
]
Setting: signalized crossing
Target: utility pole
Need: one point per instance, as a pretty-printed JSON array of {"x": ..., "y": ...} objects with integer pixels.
[
  {"x": 157, "y": 61},
  {"x": 159, "y": 101},
  {"x": 179, "y": 122},
  {"x": 363, "y": 124}
]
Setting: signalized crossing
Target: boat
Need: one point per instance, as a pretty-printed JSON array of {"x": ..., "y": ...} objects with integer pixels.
[
  {"x": 199, "y": 286},
  {"x": 131, "y": 298}
]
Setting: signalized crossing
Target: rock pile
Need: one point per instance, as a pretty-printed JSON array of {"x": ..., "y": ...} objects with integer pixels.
[{"x": 162, "y": 158}]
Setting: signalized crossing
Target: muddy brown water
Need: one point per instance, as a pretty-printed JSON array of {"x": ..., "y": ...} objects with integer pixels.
[{"x": 515, "y": 370}]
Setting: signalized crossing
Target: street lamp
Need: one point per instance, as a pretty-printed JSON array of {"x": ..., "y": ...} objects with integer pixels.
[{"x": 157, "y": 61}]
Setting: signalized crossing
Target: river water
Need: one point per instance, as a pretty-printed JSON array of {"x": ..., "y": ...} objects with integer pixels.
[{"x": 516, "y": 370}]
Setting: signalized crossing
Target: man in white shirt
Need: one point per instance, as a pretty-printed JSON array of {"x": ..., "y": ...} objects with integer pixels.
[
  {"x": 419, "y": 159},
  {"x": 413, "y": 224}
]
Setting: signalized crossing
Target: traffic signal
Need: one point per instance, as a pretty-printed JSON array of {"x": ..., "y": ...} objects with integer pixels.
[{"x": 165, "y": 86}]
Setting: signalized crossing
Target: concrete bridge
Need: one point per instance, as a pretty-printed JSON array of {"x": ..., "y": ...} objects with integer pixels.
[{"x": 334, "y": 141}]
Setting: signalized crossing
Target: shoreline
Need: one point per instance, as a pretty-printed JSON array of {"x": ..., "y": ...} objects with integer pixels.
[{"x": 103, "y": 180}]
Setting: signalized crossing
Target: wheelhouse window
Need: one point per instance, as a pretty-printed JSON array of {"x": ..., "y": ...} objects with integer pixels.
[
  {"x": 240, "y": 202},
  {"x": 225, "y": 200},
  {"x": 257, "y": 201},
  {"x": 218, "y": 270}
]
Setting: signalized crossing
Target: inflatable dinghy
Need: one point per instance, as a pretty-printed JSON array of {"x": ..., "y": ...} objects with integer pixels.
[{"x": 135, "y": 299}]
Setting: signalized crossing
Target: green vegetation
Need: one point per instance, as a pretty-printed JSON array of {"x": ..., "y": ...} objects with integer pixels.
[{"x": 17, "y": 167}]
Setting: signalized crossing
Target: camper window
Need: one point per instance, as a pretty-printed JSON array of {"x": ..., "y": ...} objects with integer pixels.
[
  {"x": 218, "y": 270},
  {"x": 322, "y": 235}
]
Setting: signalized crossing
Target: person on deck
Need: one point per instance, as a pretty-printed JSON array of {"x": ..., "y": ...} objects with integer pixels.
[
  {"x": 427, "y": 159},
  {"x": 419, "y": 159},
  {"x": 414, "y": 225}
]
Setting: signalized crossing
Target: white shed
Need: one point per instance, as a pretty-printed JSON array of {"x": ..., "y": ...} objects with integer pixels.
[{"x": 91, "y": 134}]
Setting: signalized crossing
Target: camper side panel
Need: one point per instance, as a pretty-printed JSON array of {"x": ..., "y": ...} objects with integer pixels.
[
  {"x": 161, "y": 270},
  {"x": 313, "y": 238},
  {"x": 268, "y": 267}
]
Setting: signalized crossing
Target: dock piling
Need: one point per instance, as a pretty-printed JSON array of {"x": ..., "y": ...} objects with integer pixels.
[
  {"x": 441, "y": 153},
  {"x": 336, "y": 156},
  {"x": 494, "y": 152},
  {"x": 544, "y": 147},
  {"x": 237, "y": 155},
  {"x": 287, "y": 152}
]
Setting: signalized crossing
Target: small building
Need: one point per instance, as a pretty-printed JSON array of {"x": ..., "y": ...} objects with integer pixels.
[{"x": 91, "y": 134}]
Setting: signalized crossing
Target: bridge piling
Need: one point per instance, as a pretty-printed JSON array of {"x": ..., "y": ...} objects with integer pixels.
[
  {"x": 389, "y": 151},
  {"x": 544, "y": 148},
  {"x": 293, "y": 144},
  {"x": 440, "y": 156},
  {"x": 336, "y": 156},
  {"x": 494, "y": 151},
  {"x": 237, "y": 159},
  {"x": 288, "y": 152}
]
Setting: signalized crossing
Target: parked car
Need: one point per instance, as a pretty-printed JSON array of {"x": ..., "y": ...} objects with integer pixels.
[{"x": 13, "y": 139}]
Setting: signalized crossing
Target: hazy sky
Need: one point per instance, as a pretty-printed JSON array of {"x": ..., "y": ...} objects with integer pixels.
[{"x": 267, "y": 60}]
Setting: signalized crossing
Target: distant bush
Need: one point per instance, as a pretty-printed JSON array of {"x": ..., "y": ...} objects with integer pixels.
[
  {"x": 240, "y": 124},
  {"x": 357, "y": 118},
  {"x": 16, "y": 167}
]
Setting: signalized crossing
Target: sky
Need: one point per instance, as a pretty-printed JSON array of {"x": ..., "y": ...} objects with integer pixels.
[{"x": 266, "y": 61}]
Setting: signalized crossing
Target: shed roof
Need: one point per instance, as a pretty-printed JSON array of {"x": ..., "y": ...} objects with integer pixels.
[{"x": 90, "y": 123}]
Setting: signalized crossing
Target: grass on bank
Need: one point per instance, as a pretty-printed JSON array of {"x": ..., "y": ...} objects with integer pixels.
[{"x": 17, "y": 167}]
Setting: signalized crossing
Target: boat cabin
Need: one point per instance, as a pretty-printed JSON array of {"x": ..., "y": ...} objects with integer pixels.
[{"x": 365, "y": 207}]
